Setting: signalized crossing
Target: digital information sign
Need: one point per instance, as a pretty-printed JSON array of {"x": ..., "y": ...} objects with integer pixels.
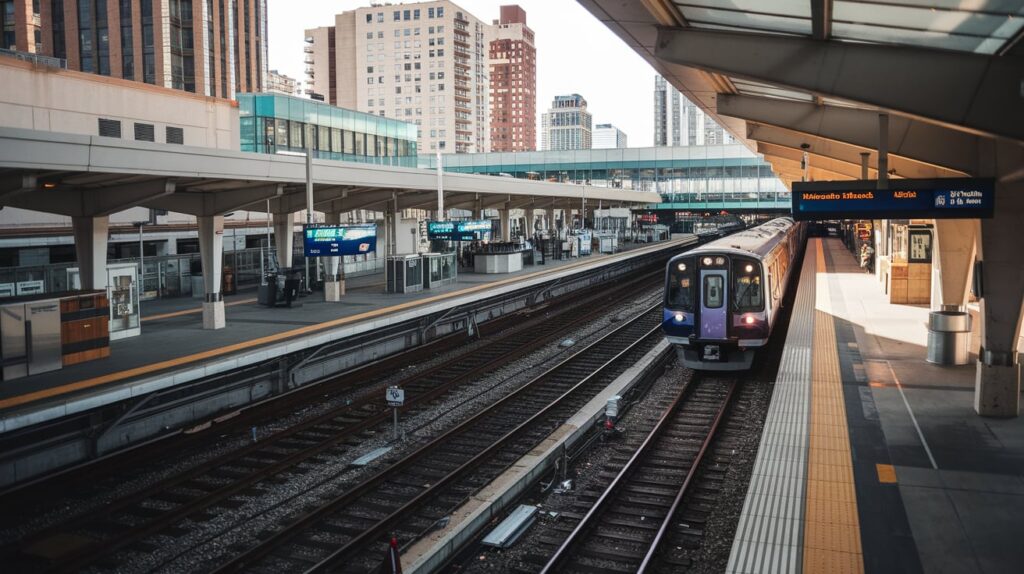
[
  {"x": 458, "y": 230},
  {"x": 949, "y": 198},
  {"x": 334, "y": 240}
]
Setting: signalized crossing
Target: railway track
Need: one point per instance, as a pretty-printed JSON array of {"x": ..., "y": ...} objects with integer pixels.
[
  {"x": 410, "y": 497},
  {"x": 199, "y": 491},
  {"x": 650, "y": 499}
]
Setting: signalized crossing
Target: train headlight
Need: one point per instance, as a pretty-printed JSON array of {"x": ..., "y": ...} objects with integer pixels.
[
  {"x": 706, "y": 261},
  {"x": 749, "y": 268},
  {"x": 749, "y": 320},
  {"x": 680, "y": 317},
  {"x": 719, "y": 260},
  {"x": 682, "y": 267}
]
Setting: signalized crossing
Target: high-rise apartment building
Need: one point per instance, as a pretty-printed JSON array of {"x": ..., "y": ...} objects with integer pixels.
[
  {"x": 567, "y": 125},
  {"x": 679, "y": 122},
  {"x": 513, "y": 58},
  {"x": 424, "y": 63},
  {"x": 209, "y": 47},
  {"x": 280, "y": 83},
  {"x": 607, "y": 136}
]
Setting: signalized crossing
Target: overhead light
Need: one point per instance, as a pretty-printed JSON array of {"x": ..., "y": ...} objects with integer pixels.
[{"x": 49, "y": 184}]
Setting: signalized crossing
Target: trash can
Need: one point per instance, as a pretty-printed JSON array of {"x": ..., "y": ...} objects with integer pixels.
[{"x": 949, "y": 337}]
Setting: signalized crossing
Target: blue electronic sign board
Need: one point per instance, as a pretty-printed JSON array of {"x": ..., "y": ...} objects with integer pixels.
[
  {"x": 948, "y": 198},
  {"x": 334, "y": 240},
  {"x": 458, "y": 230}
]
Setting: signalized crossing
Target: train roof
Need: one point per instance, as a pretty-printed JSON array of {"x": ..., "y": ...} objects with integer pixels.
[{"x": 756, "y": 240}]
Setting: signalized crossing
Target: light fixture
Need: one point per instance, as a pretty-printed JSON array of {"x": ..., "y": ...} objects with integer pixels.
[
  {"x": 49, "y": 184},
  {"x": 682, "y": 267},
  {"x": 749, "y": 320},
  {"x": 749, "y": 268},
  {"x": 719, "y": 260},
  {"x": 706, "y": 261},
  {"x": 680, "y": 317}
]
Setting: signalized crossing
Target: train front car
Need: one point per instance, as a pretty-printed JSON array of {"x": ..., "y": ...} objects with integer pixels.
[{"x": 717, "y": 309}]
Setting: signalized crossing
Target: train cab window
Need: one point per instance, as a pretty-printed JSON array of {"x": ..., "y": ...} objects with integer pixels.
[
  {"x": 680, "y": 285},
  {"x": 713, "y": 291},
  {"x": 748, "y": 294}
]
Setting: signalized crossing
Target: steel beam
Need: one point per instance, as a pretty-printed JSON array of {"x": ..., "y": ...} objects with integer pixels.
[
  {"x": 821, "y": 19},
  {"x": 843, "y": 152},
  {"x": 913, "y": 139},
  {"x": 15, "y": 184},
  {"x": 969, "y": 92},
  {"x": 817, "y": 173},
  {"x": 211, "y": 203},
  {"x": 94, "y": 202},
  {"x": 817, "y": 161}
]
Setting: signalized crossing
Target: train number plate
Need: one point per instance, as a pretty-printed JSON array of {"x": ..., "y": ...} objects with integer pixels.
[{"x": 712, "y": 353}]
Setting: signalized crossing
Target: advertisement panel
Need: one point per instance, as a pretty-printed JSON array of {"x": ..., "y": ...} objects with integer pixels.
[{"x": 334, "y": 240}]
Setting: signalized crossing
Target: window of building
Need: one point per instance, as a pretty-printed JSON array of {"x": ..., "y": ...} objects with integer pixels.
[
  {"x": 397, "y": 15},
  {"x": 380, "y": 34},
  {"x": 369, "y": 18},
  {"x": 405, "y": 14},
  {"x": 440, "y": 12},
  {"x": 380, "y": 17},
  {"x": 109, "y": 128},
  {"x": 369, "y": 35},
  {"x": 369, "y": 80},
  {"x": 416, "y": 14},
  {"x": 144, "y": 132},
  {"x": 175, "y": 135},
  {"x": 369, "y": 69},
  {"x": 430, "y": 12}
]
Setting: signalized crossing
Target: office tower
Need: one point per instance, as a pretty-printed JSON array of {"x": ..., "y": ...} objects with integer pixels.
[
  {"x": 679, "y": 122},
  {"x": 567, "y": 125},
  {"x": 607, "y": 136},
  {"x": 208, "y": 47},
  {"x": 424, "y": 63},
  {"x": 513, "y": 60}
]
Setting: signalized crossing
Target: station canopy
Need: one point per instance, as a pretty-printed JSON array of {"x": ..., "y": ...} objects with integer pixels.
[{"x": 793, "y": 76}]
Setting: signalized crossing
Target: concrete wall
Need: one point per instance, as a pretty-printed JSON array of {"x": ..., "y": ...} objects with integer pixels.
[{"x": 50, "y": 99}]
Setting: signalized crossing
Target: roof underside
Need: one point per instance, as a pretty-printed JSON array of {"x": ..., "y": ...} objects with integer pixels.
[{"x": 977, "y": 33}]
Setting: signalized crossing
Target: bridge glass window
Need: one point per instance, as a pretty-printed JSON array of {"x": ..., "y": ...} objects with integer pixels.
[
  {"x": 747, "y": 292},
  {"x": 713, "y": 291}
]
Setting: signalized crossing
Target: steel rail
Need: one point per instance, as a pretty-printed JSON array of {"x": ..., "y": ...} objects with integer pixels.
[{"x": 284, "y": 535}]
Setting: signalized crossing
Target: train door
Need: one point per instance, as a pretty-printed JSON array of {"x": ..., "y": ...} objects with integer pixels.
[{"x": 713, "y": 308}]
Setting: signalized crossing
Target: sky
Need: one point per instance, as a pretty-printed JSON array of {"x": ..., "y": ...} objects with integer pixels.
[{"x": 575, "y": 54}]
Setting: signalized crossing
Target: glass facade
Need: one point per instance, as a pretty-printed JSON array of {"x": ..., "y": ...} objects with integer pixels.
[
  {"x": 705, "y": 177},
  {"x": 276, "y": 123}
]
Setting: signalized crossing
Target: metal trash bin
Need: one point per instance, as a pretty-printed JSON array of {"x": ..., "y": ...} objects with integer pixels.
[{"x": 949, "y": 335}]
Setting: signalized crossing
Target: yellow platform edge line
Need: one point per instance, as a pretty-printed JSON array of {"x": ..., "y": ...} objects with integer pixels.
[
  {"x": 252, "y": 343},
  {"x": 831, "y": 535}
]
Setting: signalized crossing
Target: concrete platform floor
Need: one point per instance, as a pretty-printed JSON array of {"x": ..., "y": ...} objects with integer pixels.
[
  {"x": 939, "y": 488},
  {"x": 172, "y": 328}
]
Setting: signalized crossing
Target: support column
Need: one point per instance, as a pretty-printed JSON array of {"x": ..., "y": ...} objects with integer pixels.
[
  {"x": 955, "y": 250},
  {"x": 334, "y": 281},
  {"x": 531, "y": 219},
  {"x": 997, "y": 380},
  {"x": 506, "y": 224},
  {"x": 91, "y": 250},
  {"x": 284, "y": 236},
  {"x": 211, "y": 253}
]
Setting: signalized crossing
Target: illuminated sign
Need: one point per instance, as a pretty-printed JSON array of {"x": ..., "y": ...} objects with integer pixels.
[
  {"x": 458, "y": 230},
  {"x": 950, "y": 198},
  {"x": 334, "y": 240}
]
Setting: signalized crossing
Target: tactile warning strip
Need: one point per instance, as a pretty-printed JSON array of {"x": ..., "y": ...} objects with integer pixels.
[{"x": 831, "y": 526}]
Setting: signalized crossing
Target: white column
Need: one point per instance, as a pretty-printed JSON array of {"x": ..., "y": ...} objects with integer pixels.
[
  {"x": 506, "y": 224},
  {"x": 91, "y": 250},
  {"x": 284, "y": 237},
  {"x": 211, "y": 253},
  {"x": 334, "y": 282},
  {"x": 997, "y": 379}
]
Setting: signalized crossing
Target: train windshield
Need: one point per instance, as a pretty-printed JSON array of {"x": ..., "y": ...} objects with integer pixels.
[
  {"x": 747, "y": 292},
  {"x": 679, "y": 294}
]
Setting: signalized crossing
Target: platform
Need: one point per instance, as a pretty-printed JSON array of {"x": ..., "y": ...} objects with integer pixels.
[
  {"x": 873, "y": 460},
  {"x": 174, "y": 349}
]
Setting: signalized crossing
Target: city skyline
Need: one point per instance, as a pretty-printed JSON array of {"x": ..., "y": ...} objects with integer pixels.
[{"x": 564, "y": 64}]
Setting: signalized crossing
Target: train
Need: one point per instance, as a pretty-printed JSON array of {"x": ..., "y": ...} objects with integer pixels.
[{"x": 722, "y": 298}]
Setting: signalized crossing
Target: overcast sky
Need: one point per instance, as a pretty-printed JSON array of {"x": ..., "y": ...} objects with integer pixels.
[{"x": 575, "y": 54}]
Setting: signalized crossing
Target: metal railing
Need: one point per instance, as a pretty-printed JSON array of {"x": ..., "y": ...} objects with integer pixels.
[{"x": 35, "y": 58}]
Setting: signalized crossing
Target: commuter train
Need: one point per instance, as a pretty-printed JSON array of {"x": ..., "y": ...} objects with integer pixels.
[{"x": 722, "y": 298}]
